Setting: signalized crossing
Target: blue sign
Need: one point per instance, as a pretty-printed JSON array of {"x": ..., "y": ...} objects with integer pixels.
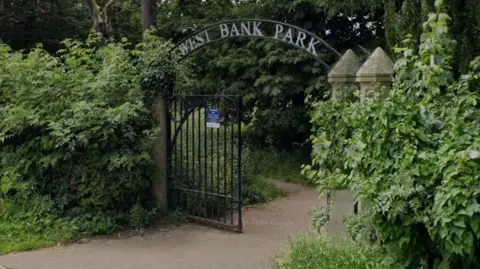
[{"x": 213, "y": 118}]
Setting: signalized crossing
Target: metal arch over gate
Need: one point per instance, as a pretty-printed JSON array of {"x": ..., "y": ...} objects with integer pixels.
[{"x": 257, "y": 28}]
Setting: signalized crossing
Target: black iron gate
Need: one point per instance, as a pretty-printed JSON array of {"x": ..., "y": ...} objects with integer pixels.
[{"x": 205, "y": 158}]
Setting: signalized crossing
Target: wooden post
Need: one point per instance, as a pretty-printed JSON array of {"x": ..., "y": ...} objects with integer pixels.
[
  {"x": 161, "y": 154},
  {"x": 162, "y": 120}
]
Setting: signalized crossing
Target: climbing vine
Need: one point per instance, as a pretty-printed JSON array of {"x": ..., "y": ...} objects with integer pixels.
[{"x": 412, "y": 158}]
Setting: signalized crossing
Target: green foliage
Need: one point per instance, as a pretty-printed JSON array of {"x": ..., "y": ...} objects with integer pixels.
[
  {"x": 312, "y": 251},
  {"x": 26, "y": 225},
  {"x": 162, "y": 70},
  {"x": 76, "y": 138},
  {"x": 331, "y": 133},
  {"x": 320, "y": 215},
  {"x": 279, "y": 165},
  {"x": 260, "y": 190},
  {"x": 360, "y": 228},
  {"x": 402, "y": 17},
  {"x": 127, "y": 21},
  {"x": 28, "y": 22},
  {"x": 141, "y": 217},
  {"x": 175, "y": 217},
  {"x": 412, "y": 157}
]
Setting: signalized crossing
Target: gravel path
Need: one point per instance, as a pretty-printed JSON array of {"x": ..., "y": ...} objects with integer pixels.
[{"x": 266, "y": 232}]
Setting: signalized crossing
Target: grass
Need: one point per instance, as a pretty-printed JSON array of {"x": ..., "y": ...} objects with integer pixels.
[
  {"x": 29, "y": 241},
  {"x": 17, "y": 236},
  {"x": 283, "y": 166},
  {"x": 265, "y": 166},
  {"x": 261, "y": 190},
  {"x": 26, "y": 226},
  {"x": 312, "y": 251},
  {"x": 24, "y": 236}
]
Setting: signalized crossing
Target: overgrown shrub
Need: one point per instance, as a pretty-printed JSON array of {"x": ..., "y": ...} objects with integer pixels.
[
  {"x": 413, "y": 157},
  {"x": 76, "y": 136},
  {"x": 318, "y": 251}
]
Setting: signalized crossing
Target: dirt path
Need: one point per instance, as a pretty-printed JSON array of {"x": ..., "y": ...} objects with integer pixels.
[{"x": 266, "y": 231}]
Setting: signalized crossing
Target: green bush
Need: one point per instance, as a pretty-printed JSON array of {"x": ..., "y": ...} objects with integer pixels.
[
  {"x": 141, "y": 217},
  {"x": 260, "y": 190},
  {"x": 76, "y": 137},
  {"x": 279, "y": 165},
  {"x": 412, "y": 157},
  {"x": 318, "y": 251}
]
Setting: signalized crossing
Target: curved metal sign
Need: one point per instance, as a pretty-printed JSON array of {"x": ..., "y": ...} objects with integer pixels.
[{"x": 266, "y": 29}]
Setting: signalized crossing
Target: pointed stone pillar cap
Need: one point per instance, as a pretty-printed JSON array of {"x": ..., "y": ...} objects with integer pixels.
[
  {"x": 377, "y": 68},
  {"x": 345, "y": 69}
]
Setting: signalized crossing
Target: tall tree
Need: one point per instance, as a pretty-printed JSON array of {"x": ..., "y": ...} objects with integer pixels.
[
  {"x": 101, "y": 13},
  {"x": 406, "y": 16},
  {"x": 28, "y": 22},
  {"x": 149, "y": 13}
]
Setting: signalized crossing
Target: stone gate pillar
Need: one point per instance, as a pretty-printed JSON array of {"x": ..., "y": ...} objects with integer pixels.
[
  {"x": 375, "y": 76},
  {"x": 342, "y": 76}
]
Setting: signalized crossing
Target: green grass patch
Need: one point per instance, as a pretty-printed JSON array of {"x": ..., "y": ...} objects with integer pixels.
[
  {"x": 23, "y": 235},
  {"x": 283, "y": 166},
  {"x": 261, "y": 190},
  {"x": 31, "y": 224},
  {"x": 312, "y": 251}
]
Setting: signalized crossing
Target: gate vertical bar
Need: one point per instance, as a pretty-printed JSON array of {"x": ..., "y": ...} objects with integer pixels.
[
  {"x": 181, "y": 175},
  {"x": 239, "y": 184},
  {"x": 193, "y": 183},
  {"x": 212, "y": 176},
  {"x": 199, "y": 183},
  {"x": 205, "y": 140},
  {"x": 172, "y": 156},
  {"x": 225, "y": 146},
  {"x": 232, "y": 166},
  {"x": 218, "y": 174},
  {"x": 187, "y": 158}
]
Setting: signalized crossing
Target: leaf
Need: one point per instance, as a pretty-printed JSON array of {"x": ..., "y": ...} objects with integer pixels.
[{"x": 459, "y": 223}]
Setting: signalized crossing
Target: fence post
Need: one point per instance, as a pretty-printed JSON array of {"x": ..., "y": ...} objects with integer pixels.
[
  {"x": 160, "y": 156},
  {"x": 342, "y": 76},
  {"x": 375, "y": 76}
]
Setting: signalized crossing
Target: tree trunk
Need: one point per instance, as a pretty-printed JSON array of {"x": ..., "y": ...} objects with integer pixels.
[
  {"x": 101, "y": 17},
  {"x": 149, "y": 13}
]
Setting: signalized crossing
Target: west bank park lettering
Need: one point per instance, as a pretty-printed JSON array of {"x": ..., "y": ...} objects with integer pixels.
[{"x": 282, "y": 32}]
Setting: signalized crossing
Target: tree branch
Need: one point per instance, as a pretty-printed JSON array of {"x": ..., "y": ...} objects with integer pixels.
[
  {"x": 101, "y": 16},
  {"x": 107, "y": 5}
]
